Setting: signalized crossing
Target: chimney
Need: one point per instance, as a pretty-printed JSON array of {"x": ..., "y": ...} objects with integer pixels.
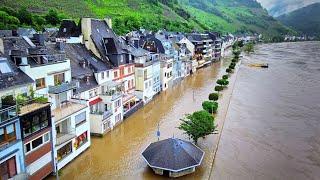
[
  {"x": 108, "y": 21},
  {"x": 1, "y": 46},
  {"x": 87, "y": 81},
  {"x": 60, "y": 46}
]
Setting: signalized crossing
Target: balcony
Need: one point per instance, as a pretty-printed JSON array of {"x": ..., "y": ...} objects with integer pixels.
[
  {"x": 27, "y": 105},
  {"x": 112, "y": 94},
  {"x": 65, "y": 136},
  {"x": 101, "y": 115},
  {"x": 8, "y": 113},
  {"x": 67, "y": 109}
]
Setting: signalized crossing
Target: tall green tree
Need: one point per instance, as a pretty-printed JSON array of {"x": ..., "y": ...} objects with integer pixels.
[
  {"x": 197, "y": 125},
  {"x": 52, "y": 17}
]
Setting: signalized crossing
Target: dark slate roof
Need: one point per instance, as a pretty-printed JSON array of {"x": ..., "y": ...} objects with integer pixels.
[
  {"x": 15, "y": 45},
  {"x": 26, "y": 32},
  {"x": 14, "y": 78},
  {"x": 5, "y": 33},
  {"x": 138, "y": 52},
  {"x": 77, "y": 53},
  {"x": 173, "y": 154},
  {"x": 151, "y": 39},
  {"x": 68, "y": 28},
  {"x": 198, "y": 37},
  {"x": 106, "y": 41},
  {"x": 86, "y": 84}
]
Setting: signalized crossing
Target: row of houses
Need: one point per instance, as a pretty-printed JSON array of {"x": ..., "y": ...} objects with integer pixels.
[{"x": 58, "y": 88}]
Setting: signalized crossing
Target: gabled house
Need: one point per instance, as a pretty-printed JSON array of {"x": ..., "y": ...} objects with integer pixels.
[
  {"x": 216, "y": 37},
  {"x": 47, "y": 65},
  {"x": 33, "y": 109},
  {"x": 203, "y": 48},
  {"x": 143, "y": 74},
  {"x": 13, "y": 82},
  {"x": 95, "y": 84},
  {"x": 100, "y": 39}
]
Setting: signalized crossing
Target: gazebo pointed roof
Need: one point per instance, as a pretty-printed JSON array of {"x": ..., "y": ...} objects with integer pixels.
[{"x": 173, "y": 154}]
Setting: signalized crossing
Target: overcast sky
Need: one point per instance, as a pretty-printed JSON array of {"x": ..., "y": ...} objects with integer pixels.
[{"x": 277, "y": 7}]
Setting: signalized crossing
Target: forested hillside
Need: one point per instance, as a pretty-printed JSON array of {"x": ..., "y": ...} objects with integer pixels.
[
  {"x": 236, "y": 16},
  {"x": 305, "y": 20}
]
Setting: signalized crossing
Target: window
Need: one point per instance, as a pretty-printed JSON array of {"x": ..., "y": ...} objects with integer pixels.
[
  {"x": 80, "y": 140},
  {"x": 80, "y": 118},
  {"x": 8, "y": 168},
  {"x": 121, "y": 71},
  {"x": 40, "y": 83},
  {"x": 64, "y": 151},
  {"x": 102, "y": 75},
  {"x": 107, "y": 74},
  {"x": 146, "y": 85},
  {"x": 129, "y": 84},
  {"x": 132, "y": 84},
  {"x": 4, "y": 67},
  {"x": 145, "y": 74},
  {"x": 115, "y": 73},
  {"x": 106, "y": 125},
  {"x": 36, "y": 143},
  {"x": 118, "y": 103},
  {"x": 118, "y": 117},
  {"x": 58, "y": 79},
  {"x": 34, "y": 122},
  {"x": 7, "y": 134},
  {"x": 129, "y": 70}
]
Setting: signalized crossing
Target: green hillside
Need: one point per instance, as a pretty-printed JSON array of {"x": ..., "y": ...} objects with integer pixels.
[
  {"x": 176, "y": 15},
  {"x": 305, "y": 20}
]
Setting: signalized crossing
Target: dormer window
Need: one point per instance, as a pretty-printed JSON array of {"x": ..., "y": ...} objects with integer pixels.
[
  {"x": 64, "y": 30},
  {"x": 4, "y": 67}
]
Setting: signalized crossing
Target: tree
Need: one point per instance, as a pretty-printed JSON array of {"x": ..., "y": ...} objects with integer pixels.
[
  {"x": 220, "y": 82},
  {"x": 218, "y": 88},
  {"x": 210, "y": 106},
  {"x": 249, "y": 48},
  {"x": 25, "y": 16},
  {"x": 197, "y": 125},
  {"x": 52, "y": 17},
  {"x": 229, "y": 70},
  {"x": 214, "y": 96},
  {"x": 225, "y": 77}
]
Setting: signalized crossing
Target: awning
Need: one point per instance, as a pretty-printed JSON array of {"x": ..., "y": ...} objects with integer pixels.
[{"x": 96, "y": 101}]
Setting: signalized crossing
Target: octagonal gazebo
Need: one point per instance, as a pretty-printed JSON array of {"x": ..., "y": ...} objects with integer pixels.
[{"x": 173, "y": 157}]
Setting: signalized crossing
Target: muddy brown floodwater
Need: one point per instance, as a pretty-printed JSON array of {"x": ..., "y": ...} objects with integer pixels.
[
  {"x": 117, "y": 155},
  {"x": 272, "y": 129}
]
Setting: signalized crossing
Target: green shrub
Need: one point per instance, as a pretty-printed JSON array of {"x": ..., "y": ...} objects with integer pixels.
[
  {"x": 229, "y": 70},
  {"x": 214, "y": 96},
  {"x": 220, "y": 82},
  {"x": 225, "y": 77},
  {"x": 233, "y": 64},
  {"x": 197, "y": 125},
  {"x": 210, "y": 106},
  {"x": 231, "y": 67},
  {"x": 218, "y": 88}
]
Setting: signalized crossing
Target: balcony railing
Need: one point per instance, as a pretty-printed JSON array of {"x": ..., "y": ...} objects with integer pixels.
[
  {"x": 8, "y": 113},
  {"x": 65, "y": 136},
  {"x": 113, "y": 94},
  {"x": 104, "y": 115}
]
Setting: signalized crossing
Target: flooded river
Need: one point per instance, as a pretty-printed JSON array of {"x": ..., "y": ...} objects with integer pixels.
[
  {"x": 118, "y": 154},
  {"x": 272, "y": 130}
]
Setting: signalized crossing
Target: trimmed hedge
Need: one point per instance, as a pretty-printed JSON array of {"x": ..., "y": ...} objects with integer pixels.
[
  {"x": 218, "y": 88},
  {"x": 214, "y": 96},
  {"x": 210, "y": 106}
]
